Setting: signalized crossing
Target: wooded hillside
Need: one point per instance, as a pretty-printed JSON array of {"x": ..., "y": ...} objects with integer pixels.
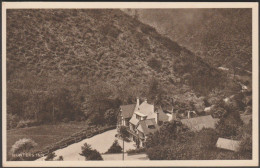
[{"x": 63, "y": 63}]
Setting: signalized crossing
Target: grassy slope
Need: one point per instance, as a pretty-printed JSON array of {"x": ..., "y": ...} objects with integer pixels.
[{"x": 44, "y": 135}]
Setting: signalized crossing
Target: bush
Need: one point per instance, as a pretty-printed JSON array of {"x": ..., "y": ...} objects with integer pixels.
[
  {"x": 21, "y": 148},
  {"x": 12, "y": 121},
  {"x": 208, "y": 138},
  {"x": 50, "y": 156},
  {"x": 89, "y": 153},
  {"x": 23, "y": 145},
  {"x": 115, "y": 148},
  {"x": 60, "y": 158},
  {"x": 27, "y": 123}
]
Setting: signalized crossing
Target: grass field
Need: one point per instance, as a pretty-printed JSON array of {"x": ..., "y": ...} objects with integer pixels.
[{"x": 44, "y": 135}]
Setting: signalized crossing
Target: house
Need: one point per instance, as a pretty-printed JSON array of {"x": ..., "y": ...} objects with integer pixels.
[
  {"x": 125, "y": 114},
  {"x": 197, "y": 123},
  {"x": 228, "y": 144},
  {"x": 141, "y": 119}
]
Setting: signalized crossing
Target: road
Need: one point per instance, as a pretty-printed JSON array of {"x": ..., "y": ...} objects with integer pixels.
[{"x": 100, "y": 142}]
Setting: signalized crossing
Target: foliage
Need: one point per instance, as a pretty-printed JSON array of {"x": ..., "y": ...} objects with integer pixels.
[
  {"x": 123, "y": 132},
  {"x": 155, "y": 64},
  {"x": 110, "y": 116},
  {"x": 60, "y": 75},
  {"x": 115, "y": 148},
  {"x": 23, "y": 145},
  {"x": 229, "y": 123},
  {"x": 167, "y": 132},
  {"x": 192, "y": 146},
  {"x": 50, "y": 156},
  {"x": 89, "y": 153},
  {"x": 21, "y": 150},
  {"x": 27, "y": 123},
  {"x": 245, "y": 133},
  {"x": 12, "y": 121},
  {"x": 60, "y": 158}
]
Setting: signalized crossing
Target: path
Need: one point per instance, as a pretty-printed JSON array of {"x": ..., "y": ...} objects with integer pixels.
[{"x": 100, "y": 142}]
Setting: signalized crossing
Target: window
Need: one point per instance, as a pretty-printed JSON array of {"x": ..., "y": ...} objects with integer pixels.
[{"x": 151, "y": 126}]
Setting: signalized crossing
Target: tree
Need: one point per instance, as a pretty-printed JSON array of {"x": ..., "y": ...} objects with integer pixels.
[
  {"x": 110, "y": 116},
  {"x": 115, "y": 148},
  {"x": 229, "y": 123},
  {"x": 167, "y": 133},
  {"x": 89, "y": 153},
  {"x": 123, "y": 132}
]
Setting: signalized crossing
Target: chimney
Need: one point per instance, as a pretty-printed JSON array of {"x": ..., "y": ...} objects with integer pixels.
[
  {"x": 137, "y": 101},
  {"x": 145, "y": 100},
  {"x": 188, "y": 114}
]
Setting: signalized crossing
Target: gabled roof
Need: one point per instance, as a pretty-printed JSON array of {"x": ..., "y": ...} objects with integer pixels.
[
  {"x": 162, "y": 116},
  {"x": 134, "y": 120},
  {"x": 228, "y": 144},
  {"x": 127, "y": 110},
  {"x": 143, "y": 126},
  {"x": 197, "y": 123},
  {"x": 146, "y": 108}
]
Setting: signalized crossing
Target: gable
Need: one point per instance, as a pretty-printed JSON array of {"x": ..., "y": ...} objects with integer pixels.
[
  {"x": 127, "y": 110},
  {"x": 146, "y": 108},
  {"x": 145, "y": 124}
]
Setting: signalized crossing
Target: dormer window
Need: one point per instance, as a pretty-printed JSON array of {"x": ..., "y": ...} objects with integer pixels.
[{"x": 138, "y": 117}]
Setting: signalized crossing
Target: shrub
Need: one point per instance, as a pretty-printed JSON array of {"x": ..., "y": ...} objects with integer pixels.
[
  {"x": 27, "y": 123},
  {"x": 89, "y": 153},
  {"x": 12, "y": 121},
  {"x": 23, "y": 145},
  {"x": 60, "y": 158},
  {"x": 20, "y": 149},
  {"x": 50, "y": 156},
  {"x": 115, "y": 148}
]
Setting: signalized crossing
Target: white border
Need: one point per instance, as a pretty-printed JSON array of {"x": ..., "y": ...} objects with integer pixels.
[{"x": 180, "y": 163}]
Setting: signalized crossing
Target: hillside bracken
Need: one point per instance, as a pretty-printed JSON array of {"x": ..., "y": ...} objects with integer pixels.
[{"x": 93, "y": 61}]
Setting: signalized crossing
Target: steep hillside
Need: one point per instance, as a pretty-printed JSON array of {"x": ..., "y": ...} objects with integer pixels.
[
  {"x": 222, "y": 37},
  {"x": 97, "y": 55}
]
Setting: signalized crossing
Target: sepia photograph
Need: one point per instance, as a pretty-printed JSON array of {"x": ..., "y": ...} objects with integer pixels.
[{"x": 125, "y": 84}]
